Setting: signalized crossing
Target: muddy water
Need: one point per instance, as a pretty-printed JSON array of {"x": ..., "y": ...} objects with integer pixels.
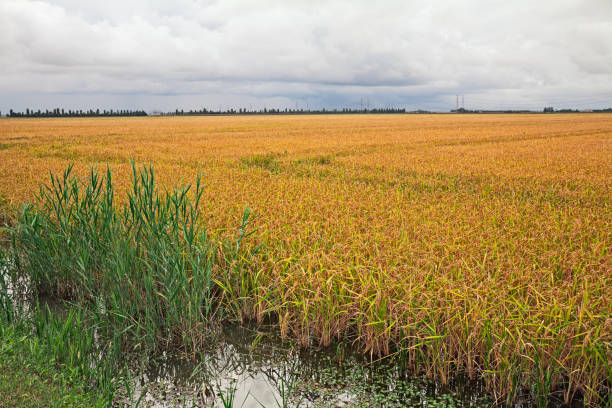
[{"x": 261, "y": 370}]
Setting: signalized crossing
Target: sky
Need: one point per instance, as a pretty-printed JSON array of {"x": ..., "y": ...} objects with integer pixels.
[{"x": 193, "y": 54}]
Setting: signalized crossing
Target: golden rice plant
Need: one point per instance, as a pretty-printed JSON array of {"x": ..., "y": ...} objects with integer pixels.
[{"x": 475, "y": 244}]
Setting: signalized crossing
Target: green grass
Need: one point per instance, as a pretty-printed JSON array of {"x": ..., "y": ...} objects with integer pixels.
[
  {"x": 30, "y": 379},
  {"x": 268, "y": 161},
  {"x": 321, "y": 160},
  {"x": 49, "y": 360}
]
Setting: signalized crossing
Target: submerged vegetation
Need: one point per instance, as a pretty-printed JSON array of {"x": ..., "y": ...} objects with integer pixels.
[{"x": 478, "y": 247}]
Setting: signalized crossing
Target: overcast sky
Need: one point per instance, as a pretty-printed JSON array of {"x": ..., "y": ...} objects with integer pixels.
[{"x": 200, "y": 53}]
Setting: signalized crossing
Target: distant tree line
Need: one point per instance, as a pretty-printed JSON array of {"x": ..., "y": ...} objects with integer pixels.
[
  {"x": 550, "y": 109},
  {"x": 77, "y": 113},
  {"x": 285, "y": 111},
  {"x": 463, "y": 110},
  {"x": 547, "y": 109}
]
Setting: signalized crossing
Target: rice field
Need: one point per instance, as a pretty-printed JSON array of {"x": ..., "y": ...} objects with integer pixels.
[{"x": 476, "y": 244}]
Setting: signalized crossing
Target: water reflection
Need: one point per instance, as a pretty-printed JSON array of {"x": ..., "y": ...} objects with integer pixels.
[{"x": 261, "y": 370}]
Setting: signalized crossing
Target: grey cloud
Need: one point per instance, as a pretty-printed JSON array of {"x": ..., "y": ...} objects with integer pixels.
[{"x": 153, "y": 53}]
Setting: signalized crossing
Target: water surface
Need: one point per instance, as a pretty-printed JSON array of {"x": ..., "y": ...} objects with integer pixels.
[{"x": 261, "y": 370}]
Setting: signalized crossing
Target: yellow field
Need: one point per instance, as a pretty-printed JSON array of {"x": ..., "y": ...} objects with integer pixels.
[{"x": 476, "y": 243}]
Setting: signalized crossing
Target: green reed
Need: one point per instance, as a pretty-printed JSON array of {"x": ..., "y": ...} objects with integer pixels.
[{"x": 144, "y": 271}]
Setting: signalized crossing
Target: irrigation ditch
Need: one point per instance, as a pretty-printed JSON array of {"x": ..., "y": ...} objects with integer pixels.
[
  {"x": 252, "y": 367},
  {"x": 243, "y": 365}
]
